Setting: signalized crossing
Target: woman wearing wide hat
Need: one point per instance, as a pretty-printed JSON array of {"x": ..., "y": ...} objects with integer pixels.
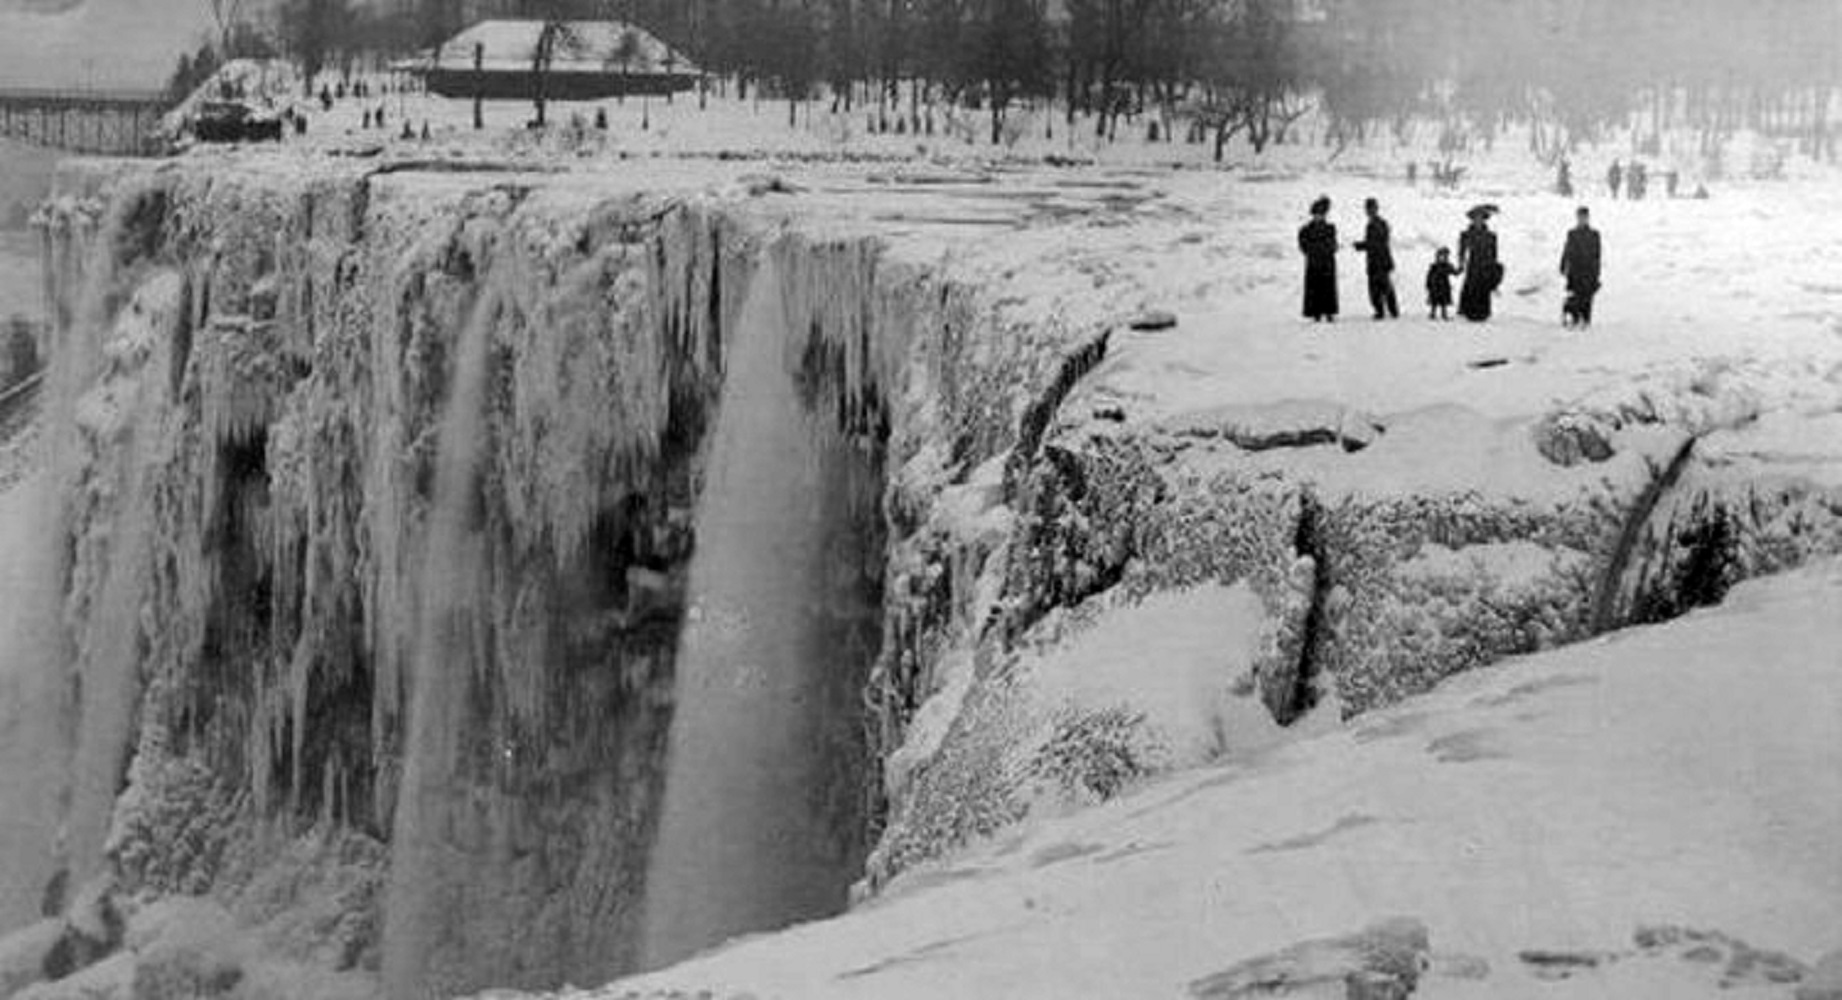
[
  {"x": 1477, "y": 261},
  {"x": 1317, "y": 240}
]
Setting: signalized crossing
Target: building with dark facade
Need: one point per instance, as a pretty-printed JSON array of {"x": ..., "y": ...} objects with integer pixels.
[{"x": 588, "y": 61}]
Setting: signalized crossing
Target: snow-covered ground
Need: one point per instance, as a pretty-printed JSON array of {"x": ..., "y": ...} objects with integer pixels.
[
  {"x": 1684, "y": 775},
  {"x": 725, "y": 123},
  {"x": 1687, "y": 775}
]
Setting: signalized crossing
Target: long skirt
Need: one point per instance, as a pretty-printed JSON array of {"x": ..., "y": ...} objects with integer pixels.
[
  {"x": 1320, "y": 290},
  {"x": 1474, "y": 298}
]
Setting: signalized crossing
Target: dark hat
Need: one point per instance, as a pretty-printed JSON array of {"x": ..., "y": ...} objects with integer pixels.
[
  {"x": 1370, "y": 203},
  {"x": 1481, "y": 212},
  {"x": 1321, "y": 206}
]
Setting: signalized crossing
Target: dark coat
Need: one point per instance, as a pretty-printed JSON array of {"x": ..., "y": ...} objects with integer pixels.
[
  {"x": 1439, "y": 283},
  {"x": 1374, "y": 244},
  {"x": 1580, "y": 260},
  {"x": 1317, "y": 240},
  {"x": 1477, "y": 258}
]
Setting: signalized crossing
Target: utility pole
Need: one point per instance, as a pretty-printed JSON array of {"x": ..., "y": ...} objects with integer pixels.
[{"x": 479, "y": 84}]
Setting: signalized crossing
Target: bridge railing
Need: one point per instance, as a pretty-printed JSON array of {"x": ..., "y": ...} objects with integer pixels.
[{"x": 74, "y": 96}]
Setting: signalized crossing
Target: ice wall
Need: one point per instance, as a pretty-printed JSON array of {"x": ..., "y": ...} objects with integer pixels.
[
  {"x": 1379, "y": 575},
  {"x": 378, "y": 497},
  {"x": 31, "y": 702}
]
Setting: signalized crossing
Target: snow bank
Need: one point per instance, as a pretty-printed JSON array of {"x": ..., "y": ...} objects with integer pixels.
[{"x": 1554, "y": 825}]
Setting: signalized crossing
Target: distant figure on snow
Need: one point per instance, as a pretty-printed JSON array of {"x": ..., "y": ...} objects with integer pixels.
[
  {"x": 1614, "y": 175},
  {"x": 1563, "y": 179},
  {"x": 1477, "y": 261},
  {"x": 1317, "y": 240},
  {"x": 1580, "y": 266},
  {"x": 1637, "y": 182},
  {"x": 1670, "y": 181},
  {"x": 1439, "y": 285},
  {"x": 1380, "y": 260}
]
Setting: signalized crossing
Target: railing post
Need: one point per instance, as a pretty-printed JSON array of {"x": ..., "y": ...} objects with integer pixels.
[{"x": 479, "y": 83}]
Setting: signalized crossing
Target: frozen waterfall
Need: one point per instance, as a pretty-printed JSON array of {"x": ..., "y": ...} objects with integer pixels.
[{"x": 760, "y": 824}]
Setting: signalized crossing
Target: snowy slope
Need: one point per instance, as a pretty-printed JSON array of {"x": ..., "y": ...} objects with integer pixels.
[{"x": 1687, "y": 774}]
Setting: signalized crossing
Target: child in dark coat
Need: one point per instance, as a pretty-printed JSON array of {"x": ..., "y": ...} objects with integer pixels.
[{"x": 1439, "y": 285}]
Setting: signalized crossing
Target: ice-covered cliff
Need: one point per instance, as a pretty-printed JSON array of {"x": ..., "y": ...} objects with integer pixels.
[
  {"x": 374, "y": 522},
  {"x": 468, "y": 577}
]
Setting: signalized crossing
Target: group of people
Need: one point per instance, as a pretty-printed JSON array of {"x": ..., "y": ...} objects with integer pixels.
[
  {"x": 1632, "y": 180},
  {"x": 1477, "y": 265}
]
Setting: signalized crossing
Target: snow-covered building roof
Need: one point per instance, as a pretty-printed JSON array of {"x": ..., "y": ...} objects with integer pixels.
[{"x": 583, "y": 47}]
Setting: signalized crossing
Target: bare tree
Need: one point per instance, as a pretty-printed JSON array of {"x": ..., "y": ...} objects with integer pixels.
[
  {"x": 312, "y": 31},
  {"x": 1009, "y": 55},
  {"x": 555, "y": 33},
  {"x": 226, "y": 14},
  {"x": 1253, "y": 79},
  {"x": 625, "y": 52}
]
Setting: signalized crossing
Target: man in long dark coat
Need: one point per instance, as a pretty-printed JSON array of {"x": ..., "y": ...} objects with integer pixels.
[
  {"x": 1580, "y": 263},
  {"x": 1477, "y": 260},
  {"x": 1317, "y": 240},
  {"x": 1380, "y": 260}
]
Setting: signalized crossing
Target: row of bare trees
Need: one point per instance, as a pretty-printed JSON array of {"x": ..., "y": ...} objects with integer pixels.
[
  {"x": 1573, "y": 69},
  {"x": 1577, "y": 69},
  {"x": 1218, "y": 69}
]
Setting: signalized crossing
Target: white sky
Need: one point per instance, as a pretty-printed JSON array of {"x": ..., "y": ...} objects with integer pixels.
[{"x": 130, "y": 44}]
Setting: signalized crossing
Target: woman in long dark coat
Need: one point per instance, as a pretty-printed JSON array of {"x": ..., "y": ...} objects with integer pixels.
[
  {"x": 1317, "y": 240},
  {"x": 1477, "y": 261}
]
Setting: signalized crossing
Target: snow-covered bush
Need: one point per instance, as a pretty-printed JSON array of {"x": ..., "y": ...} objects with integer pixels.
[
  {"x": 1096, "y": 753},
  {"x": 172, "y": 827}
]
